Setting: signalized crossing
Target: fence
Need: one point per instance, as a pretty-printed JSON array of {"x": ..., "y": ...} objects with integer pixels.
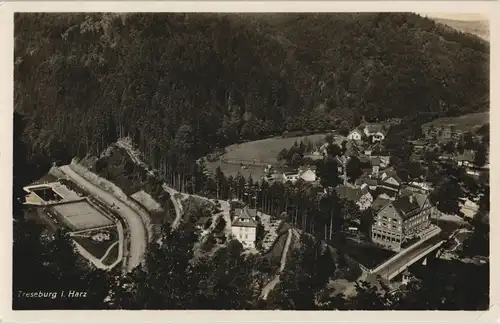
[{"x": 244, "y": 162}]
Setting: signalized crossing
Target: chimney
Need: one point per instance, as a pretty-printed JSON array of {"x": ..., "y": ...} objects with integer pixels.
[{"x": 411, "y": 198}]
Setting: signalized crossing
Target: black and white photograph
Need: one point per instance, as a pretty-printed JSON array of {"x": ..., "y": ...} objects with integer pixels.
[{"x": 306, "y": 161}]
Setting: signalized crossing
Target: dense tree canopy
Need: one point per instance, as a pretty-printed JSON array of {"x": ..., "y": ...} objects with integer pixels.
[{"x": 182, "y": 84}]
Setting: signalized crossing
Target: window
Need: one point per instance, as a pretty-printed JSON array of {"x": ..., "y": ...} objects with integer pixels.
[
  {"x": 246, "y": 236},
  {"x": 385, "y": 224}
]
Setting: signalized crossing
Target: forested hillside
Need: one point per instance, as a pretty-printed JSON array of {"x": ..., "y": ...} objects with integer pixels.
[{"x": 182, "y": 84}]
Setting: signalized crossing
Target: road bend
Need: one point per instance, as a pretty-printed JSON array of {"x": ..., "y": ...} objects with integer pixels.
[{"x": 137, "y": 230}]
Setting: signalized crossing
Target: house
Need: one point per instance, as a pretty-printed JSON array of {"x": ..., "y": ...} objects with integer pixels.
[
  {"x": 355, "y": 135},
  {"x": 375, "y": 163},
  {"x": 291, "y": 176},
  {"x": 366, "y": 181},
  {"x": 376, "y": 131},
  {"x": 384, "y": 161},
  {"x": 386, "y": 192},
  {"x": 390, "y": 179},
  {"x": 401, "y": 220},
  {"x": 308, "y": 175},
  {"x": 418, "y": 187},
  {"x": 466, "y": 159},
  {"x": 472, "y": 172},
  {"x": 244, "y": 226},
  {"x": 468, "y": 207},
  {"x": 360, "y": 197},
  {"x": 445, "y": 157},
  {"x": 379, "y": 203},
  {"x": 419, "y": 145},
  {"x": 316, "y": 155}
]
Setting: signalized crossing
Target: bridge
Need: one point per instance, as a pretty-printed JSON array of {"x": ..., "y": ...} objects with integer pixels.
[{"x": 401, "y": 261}]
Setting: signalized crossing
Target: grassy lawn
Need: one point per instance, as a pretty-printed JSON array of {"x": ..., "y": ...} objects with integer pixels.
[
  {"x": 262, "y": 151},
  {"x": 112, "y": 255},
  {"x": 232, "y": 169},
  {"x": 464, "y": 122},
  {"x": 265, "y": 150}
]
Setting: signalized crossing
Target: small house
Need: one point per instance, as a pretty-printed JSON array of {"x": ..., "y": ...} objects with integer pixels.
[
  {"x": 468, "y": 207},
  {"x": 391, "y": 179},
  {"x": 308, "y": 175},
  {"x": 466, "y": 159},
  {"x": 244, "y": 226},
  {"x": 291, "y": 176},
  {"x": 370, "y": 182},
  {"x": 376, "y": 131},
  {"x": 355, "y": 135},
  {"x": 375, "y": 163},
  {"x": 360, "y": 197}
]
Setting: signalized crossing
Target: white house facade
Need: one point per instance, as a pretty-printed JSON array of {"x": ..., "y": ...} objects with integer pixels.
[
  {"x": 355, "y": 135},
  {"x": 244, "y": 228},
  {"x": 290, "y": 176},
  {"x": 308, "y": 175}
]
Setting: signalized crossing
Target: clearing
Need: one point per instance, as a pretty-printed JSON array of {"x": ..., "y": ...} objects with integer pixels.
[
  {"x": 260, "y": 152},
  {"x": 462, "y": 123}
]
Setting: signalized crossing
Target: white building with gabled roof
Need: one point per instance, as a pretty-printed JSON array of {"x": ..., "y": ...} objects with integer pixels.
[{"x": 244, "y": 226}]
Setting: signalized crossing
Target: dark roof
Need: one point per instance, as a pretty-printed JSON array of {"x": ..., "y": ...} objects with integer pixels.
[
  {"x": 380, "y": 203},
  {"x": 365, "y": 190},
  {"x": 389, "y": 192},
  {"x": 374, "y": 146},
  {"x": 391, "y": 174},
  {"x": 420, "y": 198},
  {"x": 368, "y": 181},
  {"x": 419, "y": 142},
  {"x": 407, "y": 206},
  {"x": 375, "y": 161},
  {"x": 244, "y": 218},
  {"x": 373, "y": 128},
  {"x": 467, "y": 156}
]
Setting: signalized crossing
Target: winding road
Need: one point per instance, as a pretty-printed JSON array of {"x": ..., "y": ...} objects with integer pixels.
[
  {"x": 271, "y": 284},
  {"x": 138, "y": 235}
]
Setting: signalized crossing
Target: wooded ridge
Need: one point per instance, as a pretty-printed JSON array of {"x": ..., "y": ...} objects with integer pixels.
[{"x": 183, "y": 84}]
